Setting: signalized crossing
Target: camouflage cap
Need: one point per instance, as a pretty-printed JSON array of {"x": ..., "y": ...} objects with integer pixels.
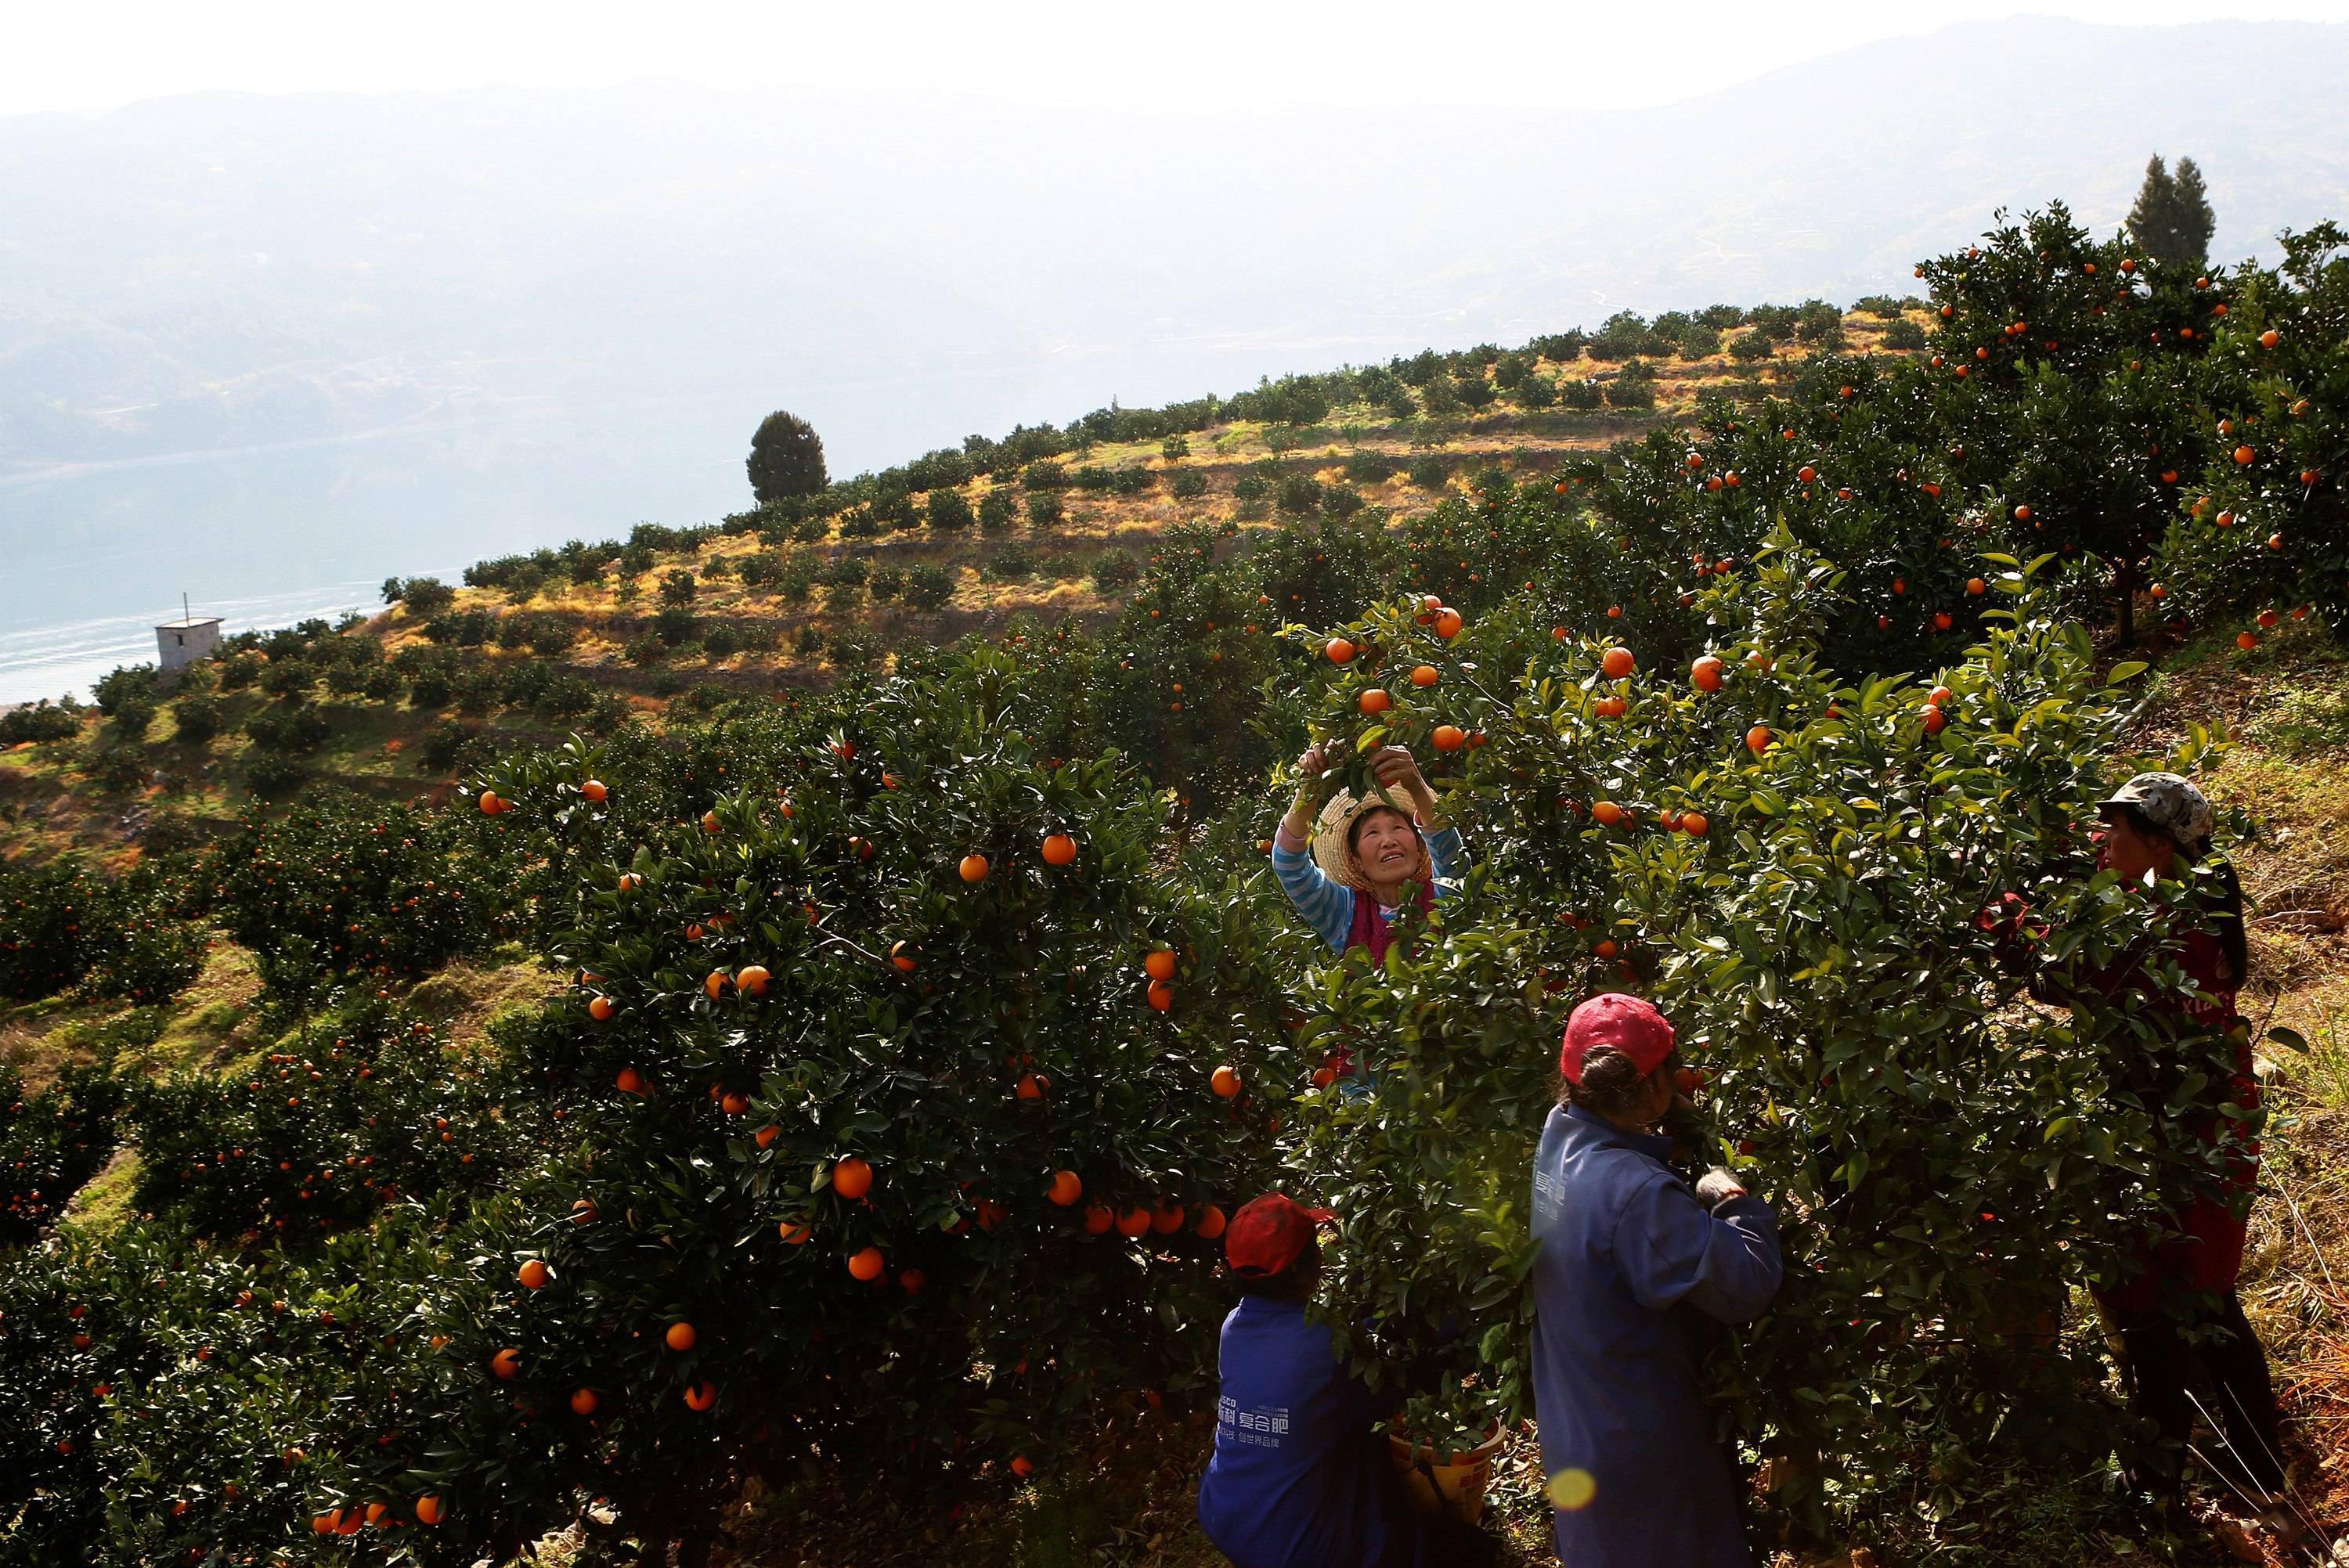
[{"x": 2168, "y": 803}]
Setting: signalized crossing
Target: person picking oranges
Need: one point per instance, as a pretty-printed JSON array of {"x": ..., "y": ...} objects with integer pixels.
[
  {"x": 1366, "y": 855},
  {"x": 1632, "y": 1268},
  {"x": 1299, "y": 1477}
]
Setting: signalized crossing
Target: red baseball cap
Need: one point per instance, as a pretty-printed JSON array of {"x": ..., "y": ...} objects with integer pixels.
[
  {"x": 1269, "y": 1232},
  {"x": 1615, "y": 1022}
]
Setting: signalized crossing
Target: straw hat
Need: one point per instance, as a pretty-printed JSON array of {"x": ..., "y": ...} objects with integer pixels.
[{"x": 1336, "y": 857}]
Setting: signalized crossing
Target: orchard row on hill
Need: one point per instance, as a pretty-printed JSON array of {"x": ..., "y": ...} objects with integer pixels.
[{"x": 913, "y": 1037}]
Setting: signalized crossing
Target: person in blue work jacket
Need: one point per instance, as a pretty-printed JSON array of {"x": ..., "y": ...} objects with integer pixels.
[
  {"x": 1299, "y": 1477},
  {"x": 1632, "y": 1270},
  {"x": 1364, "y": 852}
]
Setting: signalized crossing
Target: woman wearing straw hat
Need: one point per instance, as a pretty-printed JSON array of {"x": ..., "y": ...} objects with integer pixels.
[{"x": 1365, "y": 852}]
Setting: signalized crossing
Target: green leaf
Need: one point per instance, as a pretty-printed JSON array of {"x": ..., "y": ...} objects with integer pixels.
[
  {"x": 2290, "y": 1039},
  {"x": 2124, "y": 672}
]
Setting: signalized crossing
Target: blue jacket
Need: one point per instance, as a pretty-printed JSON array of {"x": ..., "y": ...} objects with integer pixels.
[
  {"x": 1297, "y": 1479},
  {"x": 1630, "y": 1274}
]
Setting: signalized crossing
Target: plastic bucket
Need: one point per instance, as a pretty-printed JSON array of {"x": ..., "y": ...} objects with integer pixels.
[{"x": 1452, "y": 1482}]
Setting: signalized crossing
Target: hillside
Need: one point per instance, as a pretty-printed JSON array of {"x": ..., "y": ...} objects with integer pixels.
[
  {"x": 740, "y": 1041},
  {"x": 283, "y": 344}
]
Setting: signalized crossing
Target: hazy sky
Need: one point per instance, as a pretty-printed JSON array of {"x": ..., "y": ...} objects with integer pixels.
[{"x": 98, "y": 53}]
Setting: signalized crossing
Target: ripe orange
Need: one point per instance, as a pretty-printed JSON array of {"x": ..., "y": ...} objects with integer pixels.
[
  {"x": 1757, "y": 739},
  {"x": 751, "y": 980},
  {"x": 1806, "y": 473},
  {"x": 1065, "y": 1188},
  {"x": 1694, "y": 825},
  {"x": 534, "y": 1274},
  {"x": 1226, "y": 1082},
  {"x": 582, "y": 1401},
  {"x": 1031, "y": 1086},
  {"x": 901, "y": 955},
  {"x": 631, "y": 882},
  {"x": 680, "y": 1336},
  {"x": 1940, "y": 696},
  {"x": 1975, "y": 586},
  {"x": 1449, "y": 737},
  {"x": 1617, "y": 662},
  {"x": 2159, "y": 591},
  {"x": 709, "y": 823},
  {"x": 429, "y": 1510},
  {"x": 1210, "y": 1222},
  {"x": 867, "y": 1265},
  {"x": 630, "y": 1081},
  {"x": 2244, "y": 457},
  {"x": 506, "y": 1365},
  {"x": 715, "y": 984},
  {"x": 974, "y": 867},
  {"x": 583, "y": 1212},
  {"x": 1022, "y": 1467},
  {"x": 2270, "y": 338},
  {"x": 491, "y": 804},
  {"x": 1374, "y": 700},
  {"x": 1424, "y": 676},
  {"x": 912, "y": 1281},
  {"x": 795, "y": 1234},
  {"x": 852, "y": 1178},
  {"x": 1607, "y": 813},
  {"x": 594, "y": 790},
  {"x": 734, "y": 1104},
  {"x": 1606, "y": 947},
  {"x": 1059, "y": 850},
  {"x": 1447, "y": 622},
  {"x": 1167, "y": 1217},
  {"x": 2268, "y": 619},
  {"x": 1100, "y": 1217},
  {"x": 1160, "y": 995},
  {"x": 1933, "y": 718},
  {"x": 1705, "y": 673},
  {"x": 2247, "y": 641},
  {"x": 1134, "y": 1223},
  {"x": 599, "y": 1008},
  {"x": 701, "y": 1397},
  {"x": 1160, "y": 963},
  {"x": 1340, "y": 650}
]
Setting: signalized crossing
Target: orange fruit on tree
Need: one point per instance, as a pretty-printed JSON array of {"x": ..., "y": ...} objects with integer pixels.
[
  {"x": 599, "y": 1008},
  {"x": 1940, "y": 697},
  {"x": 1159, "y": 964},
  {"x": 1975, "y": 586},
  {"x": 1226, "y": 1082},
  {"x": 1607, "y": 813},
  {"x": 429, "y": 1510},
  {"x": 1031, "y": 1086},
  {"x": 867, "y": 1265},
  {"x": 1340, "y": 650},
  {"x": 1375, "y": 701},
  {"x": 852, "y": 1178},
  {"x": 1100, "y": 1217},
  {"x": 734, "y": 1104},
  {"x": 709, "y": 823},
  {"x": 715, "y": 984},
  {"x": 491, "y": 804},
  {"x": 2270, "y": 338},
  {"x": 582, "y": 1401},
  {"x": 583, "y": 1211},
  {"x": 630, "y": 1081},
  {"x": 1167, "y": 1217},
  {"x": 1065, "y": 1188},
  {"x": 1134, "y": 1223},
  {"x": 1210, "y": 1223},
  {"x": 974, "y": 867},
  {"x": 902, "y": 956},
  {"x": 1424, "y": 676},
  {"x": 1449, "y": 737},
  {"x": 1933, "y": 718},
  {"x": 534, "y": 1274},
  {"x": 679, "y": 1336},
  {"x": 507, "y": 1365},
  {"x": 1617, "y": 662},
  {"x": 631, "y": 882},
  {"x": 1757, "y": 739},
  {"x": 1447, "y": 622},
  {"x": 2247, "y": 641},
  {"x": 594, "y": 790},
  {"x": 1059, "y": 850},
  {"x": 1694, "y": 825},
  {"x": 796, "y": 1236},
  {"x": 2244, "y": 457},
  {"x": 701, "y": 1397},
  {"x": 1160, "y": 995},
  {"x": 1705, "y": 673},
  {"x": 1022, "y": 1466},
  {"x": 751, "y": 980}
]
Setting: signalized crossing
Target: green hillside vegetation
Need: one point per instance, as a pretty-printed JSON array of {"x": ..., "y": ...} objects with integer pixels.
[{"x": 743, "y": 1039}]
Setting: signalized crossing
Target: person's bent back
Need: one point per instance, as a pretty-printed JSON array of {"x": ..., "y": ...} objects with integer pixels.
[{"x": 1299, "y": 1478}]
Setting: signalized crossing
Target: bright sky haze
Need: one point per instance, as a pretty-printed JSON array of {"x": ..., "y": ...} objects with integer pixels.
[{"x": 102, "y": 54}]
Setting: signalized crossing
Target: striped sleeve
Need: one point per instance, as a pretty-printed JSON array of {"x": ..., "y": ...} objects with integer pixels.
[
  {"x": 1327, "y": 906},
  {"x": 1449, "y": 856}
]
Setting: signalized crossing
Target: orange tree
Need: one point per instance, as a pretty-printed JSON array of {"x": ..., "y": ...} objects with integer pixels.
[
  {"x": 1791, "y": 865},
  {"x": 891, "y": 1139},
  {"x": 51, "y": 1142},
  {"x": 2267, "y": 537}
]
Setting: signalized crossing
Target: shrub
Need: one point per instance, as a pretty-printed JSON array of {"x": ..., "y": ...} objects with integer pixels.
[
  {"x": 1013, "y": 563},
  {"x": 1045, "y": 510},
  {"x": 1114, "y": 572},
  {"x": 1174, "y": 449},
  {"x": 673, "y": 627},
  {"x": 196, "y": 718},
  {"x": 51, "y": 1143},
  {"x": 1633, "y": 388},
  {"x": 677, "y": 588},
  {"x": 948, "y": 513},
  {"x": 1750, "y": 346},
  {"x": 1562, "y": 347},
  {"x": 1189, "y": 484},
  {"x": 1429, "y": 473},
  {"x": 1092, "y": 477},
  {"x": 1533, "y": 394},
  {"x": 287, "y": 728},
  {"x": 1579, "y": 392},
  {"x": 928, "y": 586},
  {"x": 131, "y": 686},
  {"x": 1043, "y": 475},
  {"x": 719, "y": 640},
  {"x": 1133, "y": 480},
  {"x": 1903, "y": 334},
  {"x": 887, "y": 582},
  {"x": 995, "y": 511},
  {"x": 809, "y": 642}
]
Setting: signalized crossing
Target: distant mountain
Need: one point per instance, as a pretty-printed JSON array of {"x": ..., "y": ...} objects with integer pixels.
[{"x": 252, "y": 346}]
